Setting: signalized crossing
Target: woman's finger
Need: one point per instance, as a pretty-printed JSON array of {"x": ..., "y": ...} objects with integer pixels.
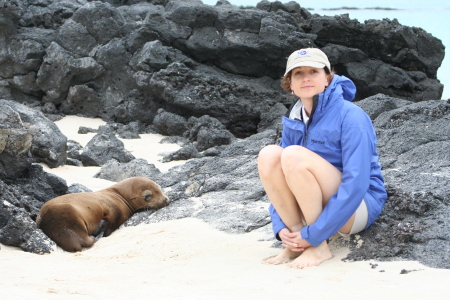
[{"x": 293, "y": 248}]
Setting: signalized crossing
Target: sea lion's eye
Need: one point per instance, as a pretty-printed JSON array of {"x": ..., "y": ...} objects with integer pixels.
[{"x": 147, "y": 195}]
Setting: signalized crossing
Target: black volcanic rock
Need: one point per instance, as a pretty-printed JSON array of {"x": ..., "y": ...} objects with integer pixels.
[
  {"x": 123, "y": 60},
  {"x": 103, "y": 147},
  {"x": 20, "y": 202},
  {"x": 28, "y": 136},
  {"x": 167, "y": 123}
]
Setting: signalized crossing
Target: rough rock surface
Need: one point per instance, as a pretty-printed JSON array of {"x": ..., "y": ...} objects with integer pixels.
[
  {"x": 207, "y": 75},
  {"x": 28, "y": 136},
  {"x": 20, "y": 202},
  {"x": 103, "y": 147},
  {"x": 413, "y": 146},
  {"x": 124, "y": 60}
]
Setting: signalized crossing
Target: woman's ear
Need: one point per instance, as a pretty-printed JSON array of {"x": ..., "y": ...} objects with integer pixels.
[{"x": 329, "y": 79}]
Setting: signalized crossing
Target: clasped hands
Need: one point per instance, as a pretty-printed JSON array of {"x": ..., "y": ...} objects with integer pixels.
[{"x": 293, "y": 240}]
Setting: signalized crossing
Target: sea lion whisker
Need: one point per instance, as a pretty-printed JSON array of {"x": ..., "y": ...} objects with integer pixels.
[{"x": 144, "y": 208}]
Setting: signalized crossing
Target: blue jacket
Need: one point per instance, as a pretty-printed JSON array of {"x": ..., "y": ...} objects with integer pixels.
[{"x": 343, "y": 134}]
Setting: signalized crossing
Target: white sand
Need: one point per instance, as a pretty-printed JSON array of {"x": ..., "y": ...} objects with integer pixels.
[{"x": 187, "y": 259}]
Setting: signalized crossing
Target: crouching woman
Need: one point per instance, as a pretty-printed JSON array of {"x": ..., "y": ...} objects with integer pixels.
[{"x": 324, "y": 177}]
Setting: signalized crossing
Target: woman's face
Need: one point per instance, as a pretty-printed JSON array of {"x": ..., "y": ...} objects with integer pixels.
[{"x": 307, "y": 82}]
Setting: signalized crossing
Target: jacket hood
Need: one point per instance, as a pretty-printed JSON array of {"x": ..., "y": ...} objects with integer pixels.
[
  {"x": 343, "y": 85},
  {"x": 340, "y": 88}
]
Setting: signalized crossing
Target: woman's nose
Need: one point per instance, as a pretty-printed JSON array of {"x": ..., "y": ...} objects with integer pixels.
[{"x": 306, "y": 77}]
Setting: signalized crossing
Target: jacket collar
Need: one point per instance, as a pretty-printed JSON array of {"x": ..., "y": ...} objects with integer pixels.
[{"x": 340, "y": 88}]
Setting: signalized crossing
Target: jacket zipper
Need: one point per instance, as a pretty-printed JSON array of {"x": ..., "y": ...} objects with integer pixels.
[
  {"x": 315, "y": 101},
  {"x": 306, "y": 135}
]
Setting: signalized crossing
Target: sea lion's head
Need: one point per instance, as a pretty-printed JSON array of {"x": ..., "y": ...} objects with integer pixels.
[{"x": 142, "y": 193}]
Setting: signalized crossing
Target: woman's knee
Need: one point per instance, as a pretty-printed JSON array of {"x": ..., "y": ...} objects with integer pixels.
[
  {"x": 269, "y": 157},
  {"x": 293, "y": 158}
]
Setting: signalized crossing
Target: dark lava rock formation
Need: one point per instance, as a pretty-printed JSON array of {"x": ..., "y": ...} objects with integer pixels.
[{"x": 124, "y": 62}]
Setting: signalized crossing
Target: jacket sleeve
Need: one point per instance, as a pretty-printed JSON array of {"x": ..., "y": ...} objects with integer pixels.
[
  {"x": 358, "y": 143},
  {"x": 277, "y": 223},
  {"x": 284, "y": 140}
]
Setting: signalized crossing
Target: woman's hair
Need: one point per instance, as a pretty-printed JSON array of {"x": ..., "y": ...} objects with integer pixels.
[{"x": 286, "y": 79}]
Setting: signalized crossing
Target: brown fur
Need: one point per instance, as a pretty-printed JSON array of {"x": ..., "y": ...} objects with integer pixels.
[{"x": 69, "y": 220}]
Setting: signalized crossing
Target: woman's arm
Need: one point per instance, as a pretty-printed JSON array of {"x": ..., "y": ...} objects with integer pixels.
[{"x": 277, "y": 223}]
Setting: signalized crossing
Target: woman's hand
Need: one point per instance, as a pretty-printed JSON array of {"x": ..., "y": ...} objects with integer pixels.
[{"x": 293, "y": 240}]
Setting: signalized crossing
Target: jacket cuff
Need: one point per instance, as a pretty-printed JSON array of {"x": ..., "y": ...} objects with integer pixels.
[
  {"x": 305, "y": 235},
  {"x": 277, "y": 231}
]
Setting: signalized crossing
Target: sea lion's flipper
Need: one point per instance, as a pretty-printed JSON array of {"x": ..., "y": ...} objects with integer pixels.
[
  {"x": 101, "y": 229},
  {"x": 99, "y": 236}
]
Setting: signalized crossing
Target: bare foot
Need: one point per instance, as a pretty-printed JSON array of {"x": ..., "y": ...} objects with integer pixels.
[
  {"x": 312, "y": 256},
  {"x": 284, "y": 257}
]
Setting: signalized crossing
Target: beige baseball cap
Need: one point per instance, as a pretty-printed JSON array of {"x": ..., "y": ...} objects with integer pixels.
[{"x": 308, "y": 57}]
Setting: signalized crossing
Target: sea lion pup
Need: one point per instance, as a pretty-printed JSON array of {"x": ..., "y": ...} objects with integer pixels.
[{"x": 72, "y": 220}]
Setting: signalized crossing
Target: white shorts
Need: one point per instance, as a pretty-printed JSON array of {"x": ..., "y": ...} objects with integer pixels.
[{"x": 361, "y": 218}]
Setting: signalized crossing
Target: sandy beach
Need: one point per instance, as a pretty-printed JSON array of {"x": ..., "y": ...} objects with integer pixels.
[{"x": 188, "y": 259}]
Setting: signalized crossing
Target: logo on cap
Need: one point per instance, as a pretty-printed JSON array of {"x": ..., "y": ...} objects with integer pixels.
[{"x": 303, "y": 52}]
